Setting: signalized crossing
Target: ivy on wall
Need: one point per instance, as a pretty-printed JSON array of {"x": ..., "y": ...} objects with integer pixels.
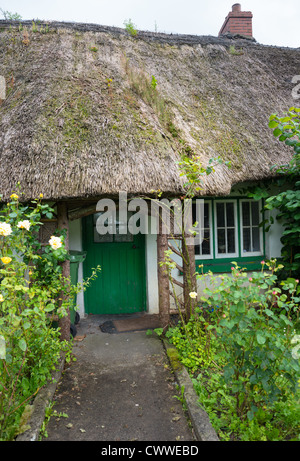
[{"x": 287, "y": 201}]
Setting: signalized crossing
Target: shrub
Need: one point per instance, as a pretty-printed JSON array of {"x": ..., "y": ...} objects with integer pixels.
[
  {"x": 253, "y": 321},
  {"x": 254, "y": 364},
  {"x": 31, "y": 285}
]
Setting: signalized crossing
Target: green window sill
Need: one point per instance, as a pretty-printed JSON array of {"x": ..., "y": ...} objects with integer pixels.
[{"x": 224, "y": 265}]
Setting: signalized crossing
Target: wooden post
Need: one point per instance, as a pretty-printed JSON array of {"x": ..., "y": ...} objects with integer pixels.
[
  {"x": 163, "y": 276},
  {"x": 189, "y": 265},
  {"x": 63, "y": 224}
]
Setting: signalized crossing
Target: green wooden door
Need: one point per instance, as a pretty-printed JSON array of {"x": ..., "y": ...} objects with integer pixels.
[{"x": 120, "y": 287}]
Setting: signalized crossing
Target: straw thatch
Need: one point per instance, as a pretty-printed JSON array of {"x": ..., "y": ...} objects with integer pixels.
[{"x": 81, "y": 118}]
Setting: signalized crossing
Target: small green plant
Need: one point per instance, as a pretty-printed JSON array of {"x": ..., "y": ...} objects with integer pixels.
[
  {"x": 287, "y": 130},
  {"x": 11, "y": 16},
  {"x": 94, "y": 49},
  {"x": 192, "y": 343},
  {"x": 34, "y": 27},
  {"x": 49, "y": 413},
  {"x": 234, "y": 52},
  {"x": 181, "y": 397},
  {"x": 153, "y": 82},
  {"x": 44, "y": 30},
  {"x": 146, "y": 87},
  {"x": 130, "y": 27}
]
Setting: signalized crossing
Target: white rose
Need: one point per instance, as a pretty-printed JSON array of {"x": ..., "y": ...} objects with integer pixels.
[
  {"x": 55, "y": 242},
  {"x": 5, "y": 229},
  {"x": 24, "y": 224}
]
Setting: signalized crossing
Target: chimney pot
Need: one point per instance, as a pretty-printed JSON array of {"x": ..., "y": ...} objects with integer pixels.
[{"x": 236, "y": 8}]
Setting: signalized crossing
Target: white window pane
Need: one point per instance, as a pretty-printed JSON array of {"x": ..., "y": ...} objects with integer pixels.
[
  {"x": 124, "y": 238},
  {"x": 123, "y": 234},
  {"x": 230, "y": 241},
  {"x": 246, "y": 213},
  {"x": 220, "y": 215},
  {"x": 255, "y": 239},
  {"x": 206, "y": 216},
  {"x": 250, "y": 227},
  {"x": 246, "y": 240},
  {"x": 255, "y": 213},
  {"x": 121, "y": 228},
  {"x": 230, "y": 214},
  {"x": 206, "y": 243},
  {"x": 221, "y": 241},
  {"x": 226, "y": 227}
]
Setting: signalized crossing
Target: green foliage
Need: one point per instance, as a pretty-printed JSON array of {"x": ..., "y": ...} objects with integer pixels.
[
  {"x": 153, "y": 82},
  {"x": 49, "y": 413},
  {"x": 31, "y": 291},
  {"x": 190, "y": 166},
  {"x": 130, "y": 27},
  {"x": 193, "y": 344},
  {"x": 276, "y": 422},
  {"x": 251, "y": 367},
  {"x": 147, "y": 89},
  {"x": 287, "y": 129},
  {"x": 288, "y": 204},
  {"x": 234, "y": 52},
  {"x": 10, "y": 16},
  {"x": 287, "y": 201},
  {"x": 254, "y": 316}
]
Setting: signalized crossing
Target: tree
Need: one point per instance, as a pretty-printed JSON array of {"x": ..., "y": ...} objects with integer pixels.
[{"x": 181, "y": 243}]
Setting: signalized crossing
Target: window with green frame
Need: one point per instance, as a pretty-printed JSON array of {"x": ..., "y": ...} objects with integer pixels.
[{"x": 230, "y": 231}]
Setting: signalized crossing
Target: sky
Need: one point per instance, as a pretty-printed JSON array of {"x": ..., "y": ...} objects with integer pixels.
[{"x": 275, "y": 22}]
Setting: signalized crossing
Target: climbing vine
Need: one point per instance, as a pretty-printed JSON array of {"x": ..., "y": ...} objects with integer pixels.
[{"x": 287, "y": 201}]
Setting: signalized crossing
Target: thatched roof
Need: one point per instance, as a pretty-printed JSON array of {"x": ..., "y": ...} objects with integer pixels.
[{"x": 81, "y": 118}]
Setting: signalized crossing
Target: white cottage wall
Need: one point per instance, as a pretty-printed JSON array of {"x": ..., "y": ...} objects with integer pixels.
[{"x": 75, "y": 243}]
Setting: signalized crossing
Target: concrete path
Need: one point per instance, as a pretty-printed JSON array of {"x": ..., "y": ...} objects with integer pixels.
[{"x": 120, "y": 388}]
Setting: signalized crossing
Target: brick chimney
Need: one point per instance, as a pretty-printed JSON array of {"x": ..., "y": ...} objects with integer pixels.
[{"x": 238, "y": 22}]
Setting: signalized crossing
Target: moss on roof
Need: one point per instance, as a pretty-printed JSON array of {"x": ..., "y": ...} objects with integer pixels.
[{"x": 83, "y": 116}]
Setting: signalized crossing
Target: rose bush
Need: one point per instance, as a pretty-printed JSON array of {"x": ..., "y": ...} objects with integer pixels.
[{"x": 31, "y": 284}]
